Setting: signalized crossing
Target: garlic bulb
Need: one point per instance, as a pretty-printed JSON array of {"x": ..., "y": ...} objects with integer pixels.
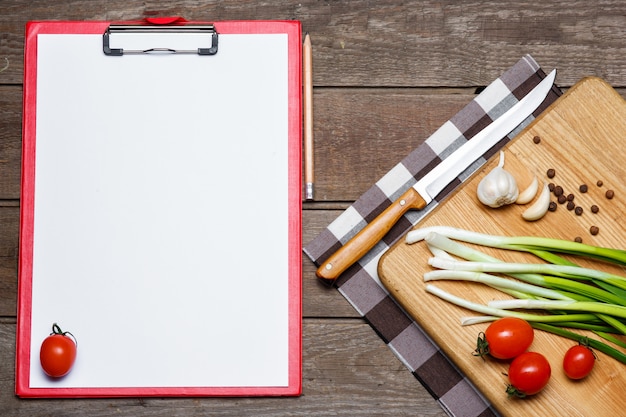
[{"x": 499, "y": 187}]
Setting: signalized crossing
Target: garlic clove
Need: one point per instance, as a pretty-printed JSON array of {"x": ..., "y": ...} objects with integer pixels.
[
  {"x": 529, "y": 192},
  {"x": 498, "y": 187},
  {"x": 539, "y": 207}
]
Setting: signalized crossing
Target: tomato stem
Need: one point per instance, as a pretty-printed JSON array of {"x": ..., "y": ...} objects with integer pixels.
[
  {"x": 514, "y": 392},
  {"x": 57, "y": 330},
  {"x": 73, "y": 337},
  {"x": 482, "y": 346},
  {"x": 584, "y": 341}
]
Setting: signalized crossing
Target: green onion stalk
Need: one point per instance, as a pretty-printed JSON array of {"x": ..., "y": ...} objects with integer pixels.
[
  {"x": 541, "y": 322},
  {"x": 523, "y": 243},
  {"x": 574, "y": 288},
  {"x": 564, "y": 294}
]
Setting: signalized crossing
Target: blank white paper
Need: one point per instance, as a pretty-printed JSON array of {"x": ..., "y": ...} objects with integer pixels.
[{"x": 161, "y": 213}]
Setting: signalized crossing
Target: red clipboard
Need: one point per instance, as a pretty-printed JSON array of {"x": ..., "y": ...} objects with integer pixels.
[{"x": 197, "y": 293}]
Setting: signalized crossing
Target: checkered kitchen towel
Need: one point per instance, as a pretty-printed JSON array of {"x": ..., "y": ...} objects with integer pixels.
[{"x": 360, "y": 284}]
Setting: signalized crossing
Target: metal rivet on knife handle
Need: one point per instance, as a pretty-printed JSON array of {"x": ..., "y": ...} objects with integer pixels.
[{"x": 371, "y": 234}]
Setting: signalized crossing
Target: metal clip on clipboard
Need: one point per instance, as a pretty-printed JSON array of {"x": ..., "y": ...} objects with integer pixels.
[{"x": 143, "y": 39}]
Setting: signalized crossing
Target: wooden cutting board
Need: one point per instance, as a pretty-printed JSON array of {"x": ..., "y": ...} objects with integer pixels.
[{"x": 583, "y": 137}]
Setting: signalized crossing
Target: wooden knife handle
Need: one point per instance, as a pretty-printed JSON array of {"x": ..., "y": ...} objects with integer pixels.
[{"x": 369, "y": 236}]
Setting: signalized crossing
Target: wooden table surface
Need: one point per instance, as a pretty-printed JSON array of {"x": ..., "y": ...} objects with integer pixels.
[{"x": 386, "y": 75}]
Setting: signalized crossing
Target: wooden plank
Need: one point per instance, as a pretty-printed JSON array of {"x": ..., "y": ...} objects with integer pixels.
[
  {"x": 319, "y": 299},
  {"x": 361, "y": 134},
  {"x": 9, "y": 221},
  {"x": 10, "y": 140},
  {"x": 347, "y": 370},
  {"x": 413, "y": 43},
  {"x": 580, "y": 136}
]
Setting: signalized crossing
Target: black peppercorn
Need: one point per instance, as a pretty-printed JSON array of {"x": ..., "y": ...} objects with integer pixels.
[{"x": 558, "y": 190}]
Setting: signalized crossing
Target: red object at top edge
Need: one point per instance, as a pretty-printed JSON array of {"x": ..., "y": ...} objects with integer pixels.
[{"x": 165, "y": 20}]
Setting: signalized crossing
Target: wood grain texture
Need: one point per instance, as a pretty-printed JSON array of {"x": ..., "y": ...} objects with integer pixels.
[
  {"x": 580, "y": 135},
  {"x": 347, "y": 369},
  {"x": 387, "y": 74},
  {"x": 10, "y": 140},
  {"x": 390, "y": 43}
]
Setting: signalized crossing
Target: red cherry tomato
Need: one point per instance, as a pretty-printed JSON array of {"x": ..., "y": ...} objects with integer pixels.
[
  {"x": 505, "y": 338},
  {"x": 58, "y": 353},
  {"x": 529, "y": 373},
  {"x": 578, "y": 361}
]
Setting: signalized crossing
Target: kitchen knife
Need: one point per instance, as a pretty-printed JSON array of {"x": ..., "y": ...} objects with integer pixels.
[{"x": 427, "y": 188}]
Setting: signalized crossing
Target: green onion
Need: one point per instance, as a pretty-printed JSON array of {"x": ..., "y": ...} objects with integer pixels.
[
  {"x": 522, "y": 243},
  {"x": 480, "y": 308},
  {"x": 537, "y": 321},
  {"x": 611, "y": 338},
  {"x": 517, "y": 268},
  {"x": 591, "y": 307},
  {"x": 552, "y": 296},
  {"x": 596, "y": 328},
  {"x": 573, "y": 289},
  {"x": 495, "y": 282},
  {"x": 565, "y": 271},
  {"x": 596, "y": 344}
]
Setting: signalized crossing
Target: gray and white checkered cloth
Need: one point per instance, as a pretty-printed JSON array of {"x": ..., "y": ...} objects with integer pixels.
[{"x": 360, "y": 284}]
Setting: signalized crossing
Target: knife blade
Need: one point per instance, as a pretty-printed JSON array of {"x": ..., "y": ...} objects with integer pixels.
[{"x": 426, "y": 189}]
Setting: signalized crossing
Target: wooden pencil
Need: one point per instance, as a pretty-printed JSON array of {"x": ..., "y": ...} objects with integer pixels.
[{"x": 307, "y": 63}]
